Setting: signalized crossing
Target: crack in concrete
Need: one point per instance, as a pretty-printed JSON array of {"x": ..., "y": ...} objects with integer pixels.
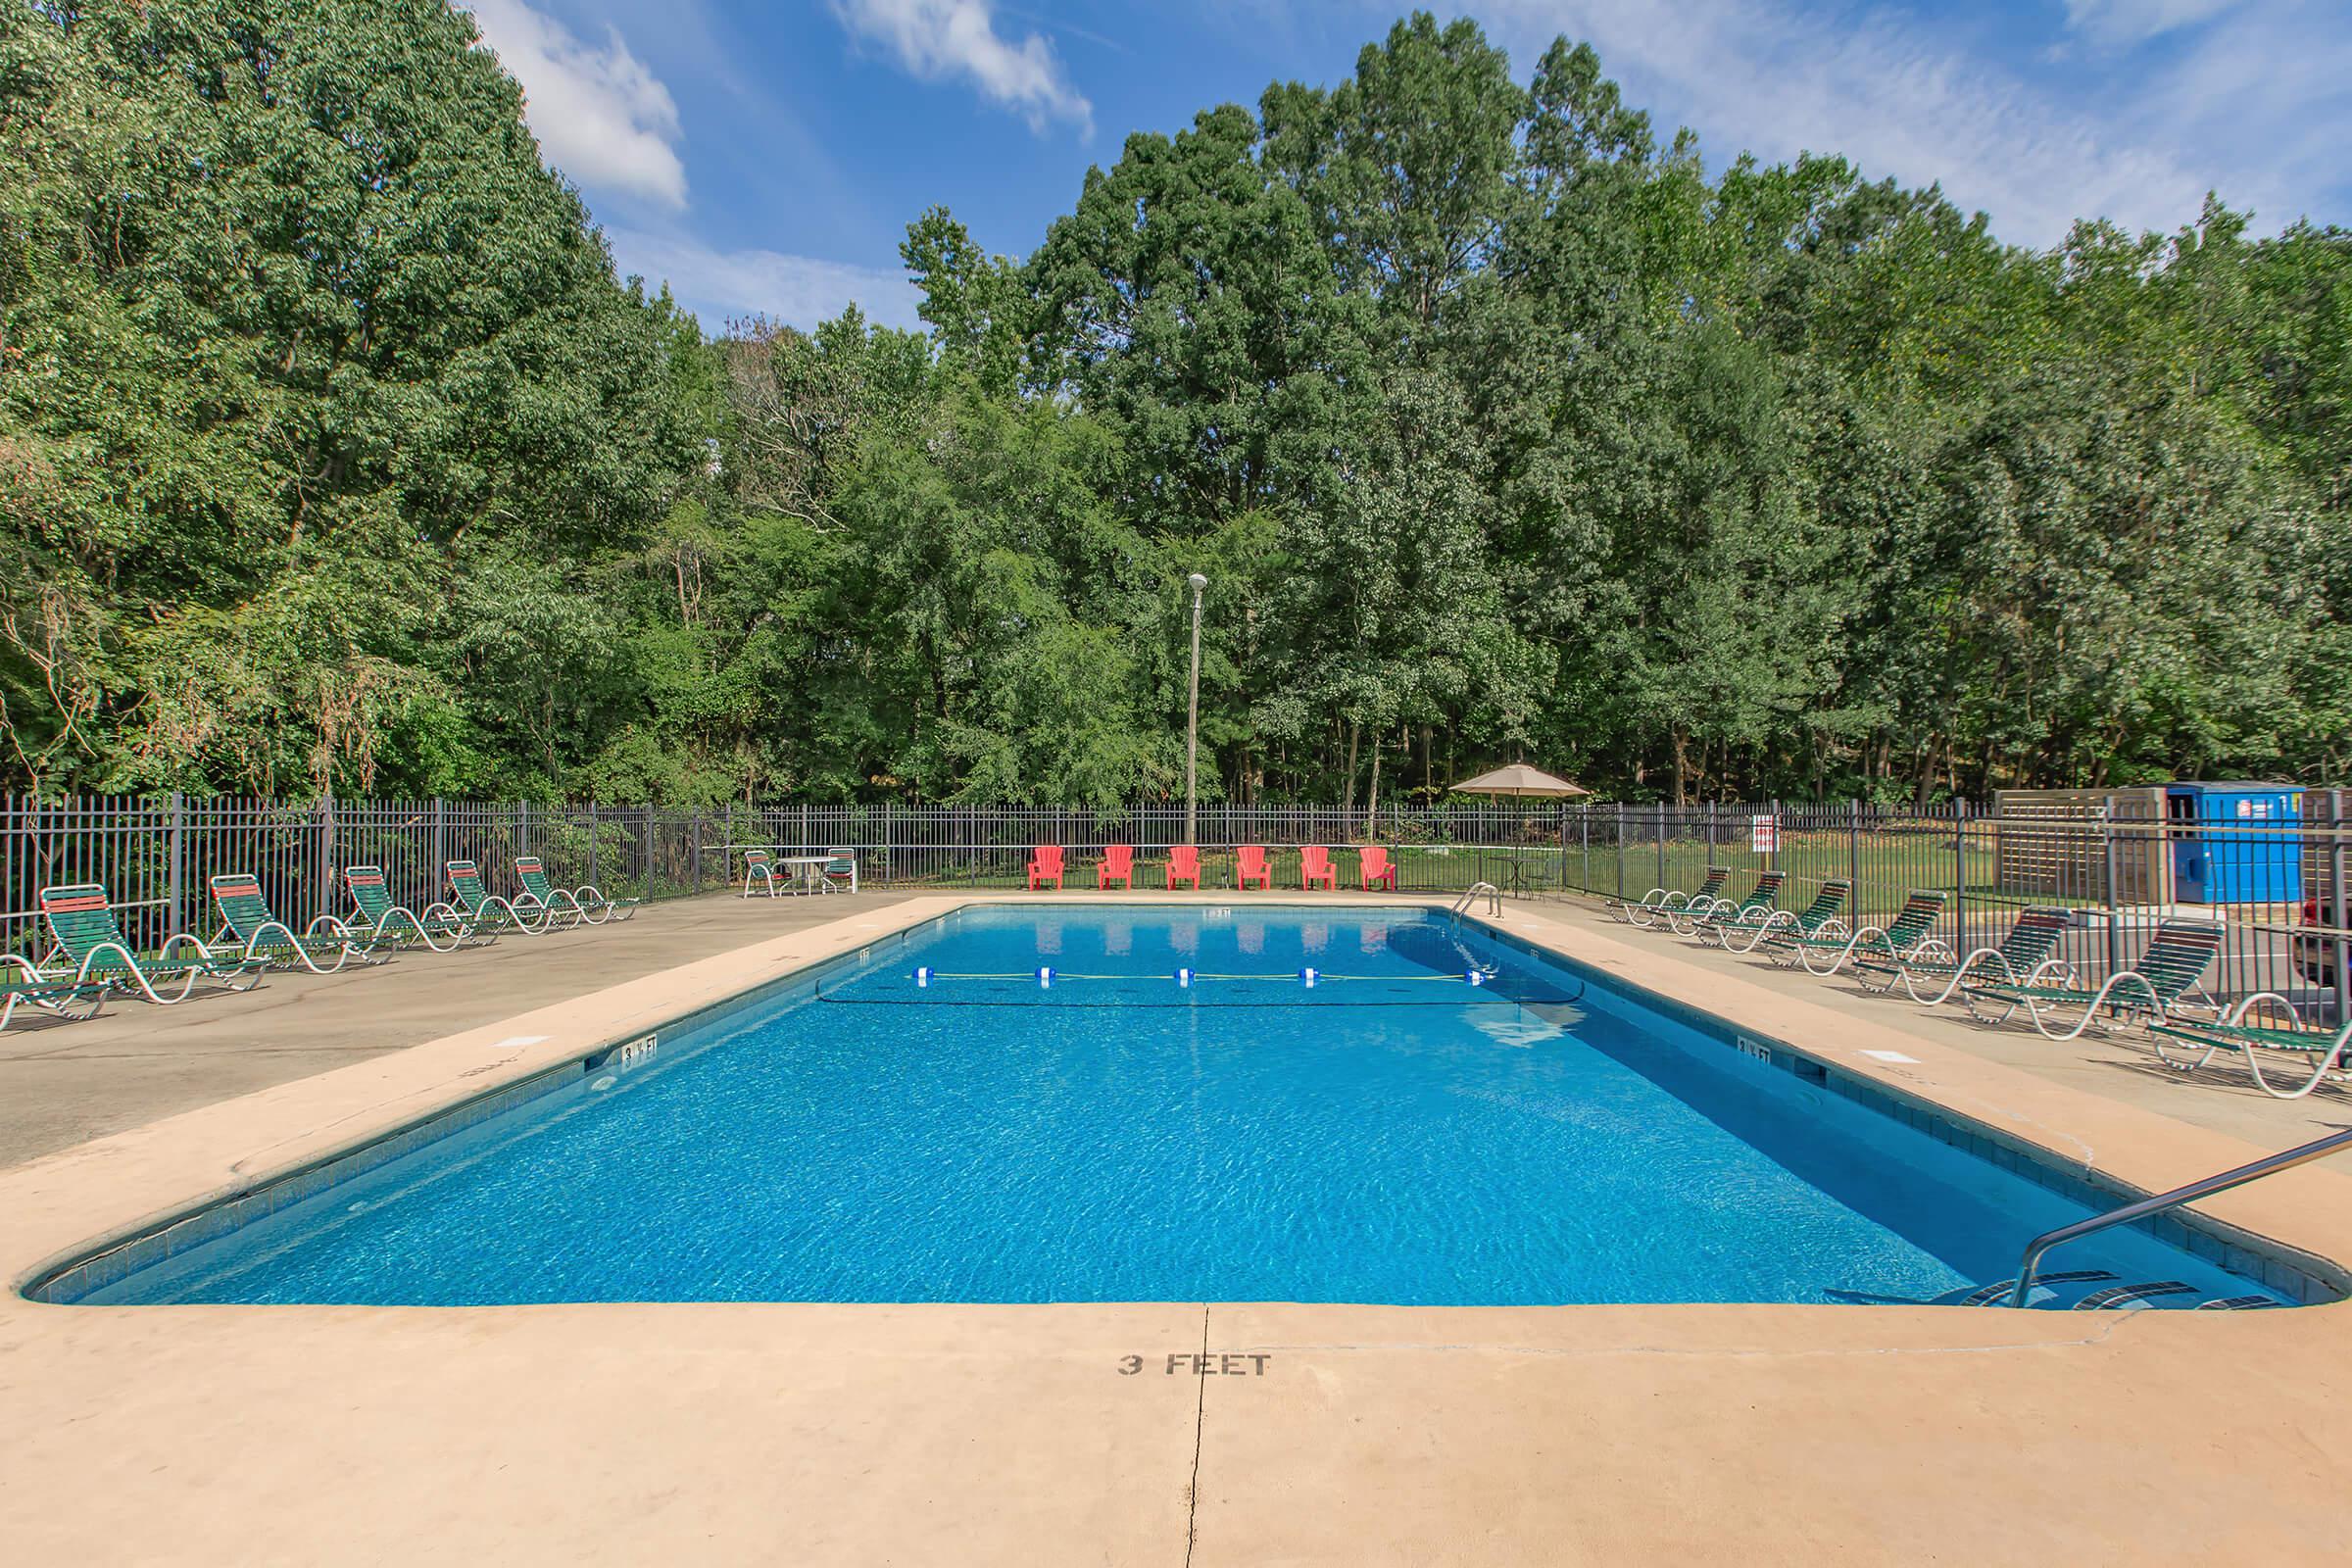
[{"x": 1192, "y": 1495}]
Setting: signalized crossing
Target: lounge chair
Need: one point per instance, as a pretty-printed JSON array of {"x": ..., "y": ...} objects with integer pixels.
[
  {"x": 440, "y": 927},
  {"x": 2023, "y": 957},
  {"x": 1910, "y": 932},
  {"x": 1184, "y": 866},
  {"x": 2179, "y": 953},
  {"x": 2327, "y": 1053},
  {"x": 323, "y": 949},
  {"x": 1375, "y": 868},
  {"x": 1695, "y": 920},
  {"x": 591, "y": 906},
  {"x": 1823, "y": 916},
  {"x": 1045, "y": 866},
  {"x": 1116, "y": 865},
  {"x": 91, "y": 950},
  {"x": 1648, "y": 908},
  {"x": 61, "y": 995},
  {"x": 1315, "y": 869},
  {"x": 1249, "y": 865},
  {"x": 486, "y": 909}
]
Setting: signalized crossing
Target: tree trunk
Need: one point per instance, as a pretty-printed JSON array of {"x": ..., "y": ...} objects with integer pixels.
[
  {"x": 1347, "y": 790},
  {"x": 1682, "y": 767}
]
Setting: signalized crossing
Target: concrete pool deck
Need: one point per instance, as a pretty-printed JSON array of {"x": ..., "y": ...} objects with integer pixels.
[{"x": 1164, "y": 1433}]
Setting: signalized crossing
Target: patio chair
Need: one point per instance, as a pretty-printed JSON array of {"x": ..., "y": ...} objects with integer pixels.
[
  {"x": 441, "y": 928},
  {"x": 323, "y": 949},
  {"x": 758, "y": 870},
  {"x": 2178, "y": 956},
  {"x": 1909, "y": 932},
  {"x": 1377, "y": 870},
  {"x": 485, "y": 907},
  {"x": 1823, "y": 916},
  {"x": 2325, "y": 1054},
  {"x": 1694, "y": 920},
  {"x": 2023, "y": 957},
  {"x": 839, "y": 874},
  {"x": 1045, "y": 866},
  {"x": 1315, "y": 869},
  {"x": 1184, "y": 866},
  {"x": 90, "y": 949},
  {"x": 591, "y": 906},
  {"x": 1249, "y": 865},
  {"x": 59, "y": 996},
  {"x": 1657, "y": 900},
  {"x": 1116, "y": 865}
]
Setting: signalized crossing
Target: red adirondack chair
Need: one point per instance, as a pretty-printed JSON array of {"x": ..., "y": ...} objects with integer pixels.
[
  {"x": 1045, "y": 866},
  {"x": 1116, "y": 865},
  {"x": 1184, "y": 866},
  {"x": 1379, "y": 871},
  {"x": 1315, "y": 869},
  {"x": 1250, "y": 865}
]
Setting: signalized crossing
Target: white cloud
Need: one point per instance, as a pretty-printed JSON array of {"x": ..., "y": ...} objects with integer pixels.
[
  {"x": 936, "y": 40},
  {"x": 797, "y": 290},
  {"x": 1901, "y": 96},
  {"x": 600, "y": 116},
  {"x": 2129, "y": 21}
]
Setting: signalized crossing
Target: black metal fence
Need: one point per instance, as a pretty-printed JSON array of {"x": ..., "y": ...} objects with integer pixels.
[{"x": 2285, "y": 886}]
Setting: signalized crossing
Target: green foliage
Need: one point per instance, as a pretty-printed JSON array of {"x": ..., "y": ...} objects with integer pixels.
[{"x": 334, "y": 456}]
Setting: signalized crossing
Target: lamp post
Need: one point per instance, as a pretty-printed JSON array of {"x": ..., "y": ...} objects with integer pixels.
[{"x": 1191, "y": 722}]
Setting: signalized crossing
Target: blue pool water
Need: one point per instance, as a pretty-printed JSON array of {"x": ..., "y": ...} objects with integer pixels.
[{"x": 1392, "y": 1134}]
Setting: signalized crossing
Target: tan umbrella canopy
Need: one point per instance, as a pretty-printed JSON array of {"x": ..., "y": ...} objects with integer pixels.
[{"x": 1519, "y": 779}]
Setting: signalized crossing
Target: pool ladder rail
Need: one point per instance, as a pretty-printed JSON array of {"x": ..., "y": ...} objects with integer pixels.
[
  {"x": 1478, "y": 890},
  {"x": 2219, "y": 1182}
]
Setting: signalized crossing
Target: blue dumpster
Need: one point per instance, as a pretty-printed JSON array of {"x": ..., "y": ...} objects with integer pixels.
[{"x": 2235, "y": 843}]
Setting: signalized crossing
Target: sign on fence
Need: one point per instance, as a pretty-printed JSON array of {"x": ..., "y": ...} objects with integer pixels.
[{"x": 1763, "y": 834}]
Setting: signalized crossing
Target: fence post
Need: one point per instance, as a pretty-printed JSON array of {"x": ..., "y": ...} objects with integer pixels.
[
  {"x": 1661, "y": 882},
  {"x": 592, "y": 844},
  {"x": 433, "y": 873},
  {"x": 326, "y": 854},
  {"x": 2115, "y": 935},
  {"x": 646, "y": 871},
  {"x": 178, "y": 874},
  {"x": 1620, "y": 837},
  {"x": 1853, "y": 853},
  {"x": 694, "y": 854},
  {"x": 2337, "y": 902}
]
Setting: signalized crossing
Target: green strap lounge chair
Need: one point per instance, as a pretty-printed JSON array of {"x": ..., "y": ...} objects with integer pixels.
[
  {"x": 91, "y": 948},
  {"x": 1932, "y": 974},
  {"x": 2324, "y": 1054},
  {"x": 760, "y": 872},
  {"x": 326, "y": 947},
  {"x": 1825, "y": 916},
  {"x": 23, "y": 985},
  {"x": 1909, "y": 933},
  {"x": 1761, "y": 899},
  {"x": 440, "y": 927},
  {"x": 486, "y": 909},
  {"x": 584, "y": 903},
  {"x": 2179, "y": 953},
  {"x": 1653, "y": 905}
]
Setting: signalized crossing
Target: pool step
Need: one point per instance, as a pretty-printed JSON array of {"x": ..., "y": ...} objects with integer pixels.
[
  {"x": 2116, "y": 1297},
  {"x": 1999, "y": 1292}
]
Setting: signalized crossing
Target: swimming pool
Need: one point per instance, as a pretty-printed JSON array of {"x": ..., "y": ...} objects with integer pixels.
[{"x": 1049, "y": 1103}]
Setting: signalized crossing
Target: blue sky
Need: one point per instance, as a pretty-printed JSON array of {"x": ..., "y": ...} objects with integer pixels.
[{"x": 767, "y": 158}]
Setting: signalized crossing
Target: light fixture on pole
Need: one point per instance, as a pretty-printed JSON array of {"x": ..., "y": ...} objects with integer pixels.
[{"x": 1191, "y": 721}]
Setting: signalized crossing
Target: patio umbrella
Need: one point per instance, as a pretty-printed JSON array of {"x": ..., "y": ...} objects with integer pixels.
[{"x": 1519, "y": 779}]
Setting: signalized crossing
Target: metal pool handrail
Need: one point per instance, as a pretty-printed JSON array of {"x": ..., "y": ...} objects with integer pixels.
[
  {"x": 1494, "y": 899},
  {"x": 2220, "y": 1182}
]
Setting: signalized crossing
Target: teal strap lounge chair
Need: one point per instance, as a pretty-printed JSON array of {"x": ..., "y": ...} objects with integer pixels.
[
  {"x": 760, "y": 872},
  {"x": 1654, "y": 904},
  {"x": 1825, "y": 916},
  {"x": 2182, "y": 948},
  {"x": 1825, "y": 953},
  {"x": 91, "y": 948},
  {"x": 23, "y": 985},
  {"x": 245, "y": 918},
  {"x": 1932, "y": 974},
  {"x": 486, "y": 909},
  {"x": 584, "y": 901},
  {"x": 2324, "y": 1054},
  {"x": 440, "y": 927},
  {"x": 1692, "y": 921}
]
